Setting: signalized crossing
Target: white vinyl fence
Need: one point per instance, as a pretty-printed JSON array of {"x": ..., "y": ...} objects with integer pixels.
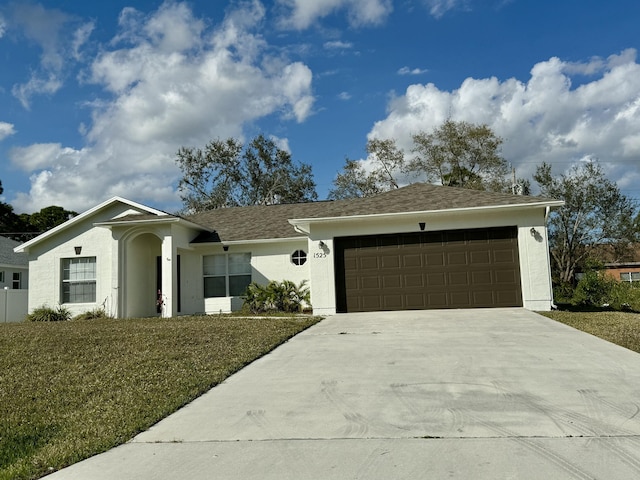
[{"x": 13, "y": 305}]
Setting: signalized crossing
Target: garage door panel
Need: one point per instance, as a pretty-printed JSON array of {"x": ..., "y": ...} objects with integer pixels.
[
  {"x": 413, "y": 260},
  {"x": 392, "y": 281},
  {"x": 350, "y": 263},
  {"x": 503, "y": 256},
  {"x": 458, "y": 279},
  {"x": 506, "y": 297},
  {"x": 483, "y": 299},
  {"x": 437, "y": 299},
  {"x": 435, "y": 279},
  {"x": 482, "y": 277},
  {"x": 368, "y": 262},
  {"x": 414, "y": 280},
  {"x": 449, "y": 269},
  {"x": 393, "y": 302},
  {"x": 351, "y": 283},
  {"x": 456, "y": 258},
  {"x": 391, "y": 261},
  {"x": 370, "y": 282},
  {"x": 414, "y": 301},
  {"x": 506, "y": 276},
  {"x": 462, "y": 299},
  {"x": 371, "y": 303},
  {"x": 480, "y": 257},
  {"x": 434, "y": 259}
]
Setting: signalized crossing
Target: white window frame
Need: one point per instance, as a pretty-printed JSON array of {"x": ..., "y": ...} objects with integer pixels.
[
  {"x": 16, "y": 280},
  {"x": 85, "y": 277},
  {"x": 629, "y": 277},
  {"x": 226, "y": 269}
]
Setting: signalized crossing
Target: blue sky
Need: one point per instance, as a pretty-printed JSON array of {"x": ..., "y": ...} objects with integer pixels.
[{"x": 97, "y": 97}]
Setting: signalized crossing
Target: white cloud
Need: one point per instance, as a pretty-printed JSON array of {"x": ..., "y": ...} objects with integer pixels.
[
  {"x": 301, "y": 14},
  {"x": 42, "y": 155},
  {"x": 344, "y": 96},
  {"x": 6, "y": 130},
  {"x": 411, "y": 71},
  {"x": 59, "y": 36},
  {"x": 36, "y": 85},
  {"x": 169, "y": 82},
  {"x": 438, "y": 8},
  {"x": 3, "y": 26},
  {"x": 80, "y": 38},
  {"x": 545, "y": 118},
  {"x": 338, "y": 45}
]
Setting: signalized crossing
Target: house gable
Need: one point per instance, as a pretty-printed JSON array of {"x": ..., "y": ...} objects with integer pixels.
[{"x": 115, "y": 207}]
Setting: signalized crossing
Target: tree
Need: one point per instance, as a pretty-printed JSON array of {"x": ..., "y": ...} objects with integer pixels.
[
  {"x": 460, "y": 154},
  {"x": 11, "y": 224},
  {"x": 49, "y": 217},
  {"x": 353, "y": 182},
  {"x": 227, "y": 174},
  {"x": 456, "y": 154},
  {"x": 595, "y": 214},
  {"x": 386, "y": 161}
]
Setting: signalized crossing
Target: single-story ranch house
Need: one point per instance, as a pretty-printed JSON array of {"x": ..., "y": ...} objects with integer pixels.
[{"x": 417, "y": 247}]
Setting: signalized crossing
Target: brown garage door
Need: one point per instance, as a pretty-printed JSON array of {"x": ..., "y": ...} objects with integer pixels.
[{"x": 448, "y": 269}]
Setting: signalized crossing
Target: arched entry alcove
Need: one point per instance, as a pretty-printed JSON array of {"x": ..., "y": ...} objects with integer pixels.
[{"x": 141, "y": 275}]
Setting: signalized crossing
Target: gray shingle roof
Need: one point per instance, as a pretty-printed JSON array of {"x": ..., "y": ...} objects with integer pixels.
[
  {"x": 271, "y": 221},
  {"x": 8, "y": 256}
]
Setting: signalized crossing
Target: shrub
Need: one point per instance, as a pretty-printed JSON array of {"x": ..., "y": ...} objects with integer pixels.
[
  {"x": 276, "y": 296},
  {"x": 563, "y": 292},
  {"x": 593, "y": 289},
  {"x": 92, "y": 314},
  {"x": 625, "y": 296},
  {"x": 48, "y": 314}
]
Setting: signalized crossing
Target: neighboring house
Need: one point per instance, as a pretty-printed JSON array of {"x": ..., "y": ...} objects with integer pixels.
[
  {"x": 14, "y": 280},
  {"x": 417, "y": 247},
  {"x": 623, "y": 270},
  {"x": 14, "y": 267}
]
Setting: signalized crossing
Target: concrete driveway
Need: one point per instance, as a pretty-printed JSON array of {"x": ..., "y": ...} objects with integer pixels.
[{"x": 459, "y": 394}]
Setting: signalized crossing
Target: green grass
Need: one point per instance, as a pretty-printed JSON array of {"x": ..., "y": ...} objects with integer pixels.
[
  {"x": 621, "y": 328},
  {"x": 69, "y": 390}
]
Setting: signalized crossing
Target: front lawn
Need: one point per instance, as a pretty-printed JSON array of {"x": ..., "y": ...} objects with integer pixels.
[
  {"x": 69, "y": 390},
  {"x": 621, "y": 328}
]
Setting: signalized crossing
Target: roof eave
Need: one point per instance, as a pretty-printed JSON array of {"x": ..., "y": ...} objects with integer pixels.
[
  {"x": 13, "y": 265},
  {"x": 250, "y": 242},
  {"x": 298, "y": 222},
  {"x": 147, "y": 221}
]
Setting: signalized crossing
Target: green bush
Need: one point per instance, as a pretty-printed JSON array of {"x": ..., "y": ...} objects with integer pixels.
[
  {"x": 48, "y": 314},
  {"x": 625, "y": 297},
  {"x": 593, "y": 289},
  {"x": 276, "y": 296},
  {"x": 563, "y": 292},
  {"x": 92, "y": 314}
]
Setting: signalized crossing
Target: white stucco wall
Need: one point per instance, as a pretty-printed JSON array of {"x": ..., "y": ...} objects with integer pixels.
[
  {"x": 533, "y": 251},
  {"x": 270, "y": 260},
  {"x": 45, "y": 263}
]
